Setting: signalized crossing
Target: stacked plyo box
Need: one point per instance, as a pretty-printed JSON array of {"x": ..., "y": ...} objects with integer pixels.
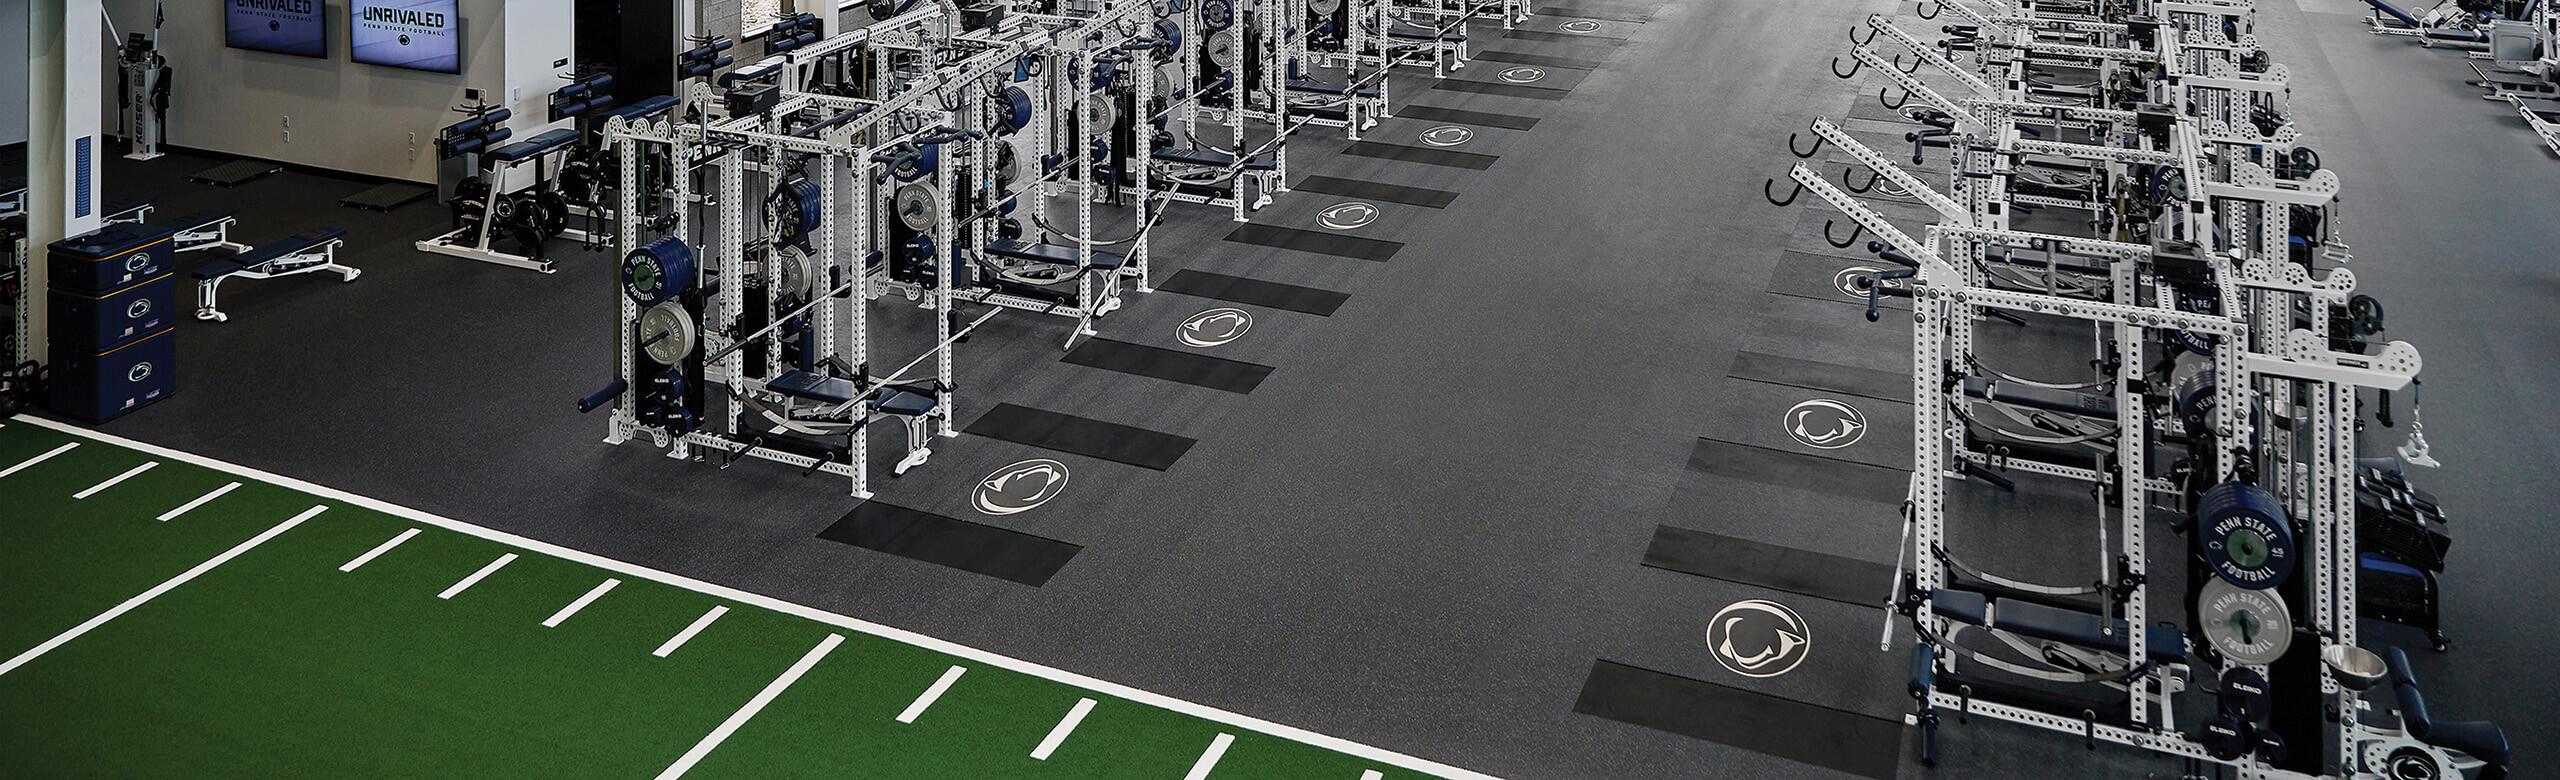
[{"x": 115, "y": 306}]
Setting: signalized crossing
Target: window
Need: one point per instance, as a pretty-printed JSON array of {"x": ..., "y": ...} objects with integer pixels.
[{"x": 756, "y": 16}]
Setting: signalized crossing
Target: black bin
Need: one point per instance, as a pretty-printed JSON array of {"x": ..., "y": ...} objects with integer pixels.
[
  {"x": 110, "y": 258},
  {"x": 100, "y": 385},
  {"x": 102, "y": 321}
]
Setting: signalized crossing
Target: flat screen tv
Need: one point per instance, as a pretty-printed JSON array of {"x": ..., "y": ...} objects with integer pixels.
[
  {"x": 414, "y": 34},
  {"x": 280, "y": 26}
]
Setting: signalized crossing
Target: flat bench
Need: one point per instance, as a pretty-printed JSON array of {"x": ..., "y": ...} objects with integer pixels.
[
  {"x": 301, "y": 253},
  {"x": 1061, "y": 254},
  {"x": 536, "y": 146},
  {"x": 206, "y": 228},
  {"x": 2167, "y": 645},
  {"x": 1209, "y": 157}
]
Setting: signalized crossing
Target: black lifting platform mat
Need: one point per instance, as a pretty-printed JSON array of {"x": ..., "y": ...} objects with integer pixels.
[
  {"x": 388, "y": 196},
  {"x": 235, "y": 173}
]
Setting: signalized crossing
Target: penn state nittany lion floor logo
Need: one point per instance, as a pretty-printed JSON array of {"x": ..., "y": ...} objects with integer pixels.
[{"x": 1759, "y": 638}]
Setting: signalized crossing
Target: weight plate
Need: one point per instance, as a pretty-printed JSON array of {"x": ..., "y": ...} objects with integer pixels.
[
  {"x": 2245, "y": 535},
  {"x": 657, "y": 271},
  {"x": 2270, "y": 747},
  {"x": 793, "y": 212},
  {"x": 793, "y": 273},
  {"x": 2249, "y": 627},
  {"x": 2223, "y": 738},
  {"x": 1324, "y": 7},
  {"x": 666, "y": 333},
  {"x": 918, "y": 206},
  {"x": 1007, "y": 166},
  {"x": 1222, "y": 49},
  {"x": 552, "y": 213},
  {"x": 1016, "y": 110},
  {"x": 1100, "y": 115},
  {"x": 1217, "y": 14},
  {"x": 2244, "y": 694}
]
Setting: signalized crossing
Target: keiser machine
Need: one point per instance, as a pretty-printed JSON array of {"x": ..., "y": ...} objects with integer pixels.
[{"x": 145, "y": 90}]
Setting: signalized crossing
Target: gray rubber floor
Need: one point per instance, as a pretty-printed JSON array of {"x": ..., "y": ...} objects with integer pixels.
[{"x": 1423, "y": 529}]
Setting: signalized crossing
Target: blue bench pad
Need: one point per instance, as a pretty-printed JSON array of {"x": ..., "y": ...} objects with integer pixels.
[
  {"x": 294, "y": 244},
  {"x": 538, "y": 144},
  {"x": 803, "y": 384},
  {"x": 1052, "y": 253},
  {"x": 1210, "y": 157}
]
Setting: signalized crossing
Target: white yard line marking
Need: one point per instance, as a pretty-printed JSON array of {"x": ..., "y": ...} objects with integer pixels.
[
  {"x": 378, "y": 550},
  {"x": 581, "y": 603},
  {"x": 474, "y": 579},
  {"x": 1371, "y": 774},
  {"x": 739, "y": 718},
  {"x": 1209, "y": 759},
  {"x": 1065, "y": 727},
  {"x": 200, "y": 501},
  {"x": 39, "y": 459},
  {"x": 155, "y": 592},
  {"x": 926, "y": 699},
  {"x": 726, "y": 593},
  {"x": 686, "y": 635},
  {"x": 111, "y": 481}
]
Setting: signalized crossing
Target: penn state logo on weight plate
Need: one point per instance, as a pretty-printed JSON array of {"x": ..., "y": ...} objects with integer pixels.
[
  {"x": 139, "y": 372},
  {"x": 1020, "y": 487},
  {"x": 1759, "y": 638},
  {"x": 137, "y": 261}
]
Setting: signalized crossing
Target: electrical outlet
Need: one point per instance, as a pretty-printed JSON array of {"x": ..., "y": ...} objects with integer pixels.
[
  {"x": 413, "y": 145},
  {"x": 288, "y": 129}
]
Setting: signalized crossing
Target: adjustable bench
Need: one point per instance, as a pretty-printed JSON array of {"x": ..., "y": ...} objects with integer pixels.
[
  {"x": 2481, "y": 740},
  {"x": 305, "y": 252},
  {"x": 912, "y": 404},
  {"x": 644, "y": 107},
  {"x": 544, "y": 143},
  {"x": 1210, "y": 158},
  {"x": 2080, "y": 629},
  {"x": 1059, "y": 254},
  {"x": 1313, "y": 86},
  {"x": 208, "y": 228}
]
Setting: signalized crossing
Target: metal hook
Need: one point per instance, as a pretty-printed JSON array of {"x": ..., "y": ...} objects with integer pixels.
[
  {"x": 1915, "y": 64},
  {"x": 1765, "y": 186},
  {"x": 1808, "y": 153},
  {"x": 1894, "y": 105},
  {"x": 1871, "y": 180},
  {"x": 1854, "y": 65},
  {"x": 1853, "y": 35},
  {"x": 1855, "y": 230},
  {"x": 1928, "y": 10}
]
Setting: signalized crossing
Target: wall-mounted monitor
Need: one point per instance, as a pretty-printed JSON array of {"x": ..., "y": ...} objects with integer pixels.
[
  {"x": 414, "y": 34},
  {"x": 280, "y": 26}
]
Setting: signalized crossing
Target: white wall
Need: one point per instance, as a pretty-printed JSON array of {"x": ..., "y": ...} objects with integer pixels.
[
  {"x": 346, "y": 116},
  {"x": 13, "y": 71}
]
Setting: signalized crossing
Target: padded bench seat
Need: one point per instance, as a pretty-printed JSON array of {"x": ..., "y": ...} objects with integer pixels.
[
  {"x": 1327, "y": 88},
  {"x": 1409, "y": 33},
  {"x": 1211, "y": 158},
  {"x": 536, "y": 145},
  {"x": 2168, "y": 645},
  {"x": 903, "y": 402},
  {"x": 645, "y": 107},
  {"x": 290, "y": 245},
  {"x": 1060, "y": 254},
  {"x": 815, "y": 387}
]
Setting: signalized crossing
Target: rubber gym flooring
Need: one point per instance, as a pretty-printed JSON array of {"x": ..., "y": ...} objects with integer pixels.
[{"x": 1489, "y": 468}]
